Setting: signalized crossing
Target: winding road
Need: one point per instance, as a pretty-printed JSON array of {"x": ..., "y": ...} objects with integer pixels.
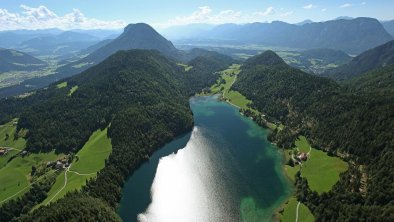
[{"x": 65, "y": 181}]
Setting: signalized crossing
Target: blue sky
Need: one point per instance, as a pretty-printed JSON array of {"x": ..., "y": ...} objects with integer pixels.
[{"x": 87, "y": 14}]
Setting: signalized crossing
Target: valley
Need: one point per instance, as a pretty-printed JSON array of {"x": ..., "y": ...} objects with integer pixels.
[{"x": 178, "y": 120}]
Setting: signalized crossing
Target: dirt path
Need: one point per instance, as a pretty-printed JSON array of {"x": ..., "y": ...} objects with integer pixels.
[
  {"x": 298, "y": 206},
  {"x": 65, "y": 180},
  {"x": 65, "y": 184}
]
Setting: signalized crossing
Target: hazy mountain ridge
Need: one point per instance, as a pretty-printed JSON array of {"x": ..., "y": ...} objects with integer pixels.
[
  {"x": 378, "y": 57},
  {"x": 352, "y": 36},
  {"x": 389, "y": 26},
  {"x": 13, "y": 60}
]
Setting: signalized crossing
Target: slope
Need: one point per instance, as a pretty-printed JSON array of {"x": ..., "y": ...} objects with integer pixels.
[
  {"x": 380, "y": 56},
  {"x": 12, "y": 60},
  {"x": 354, "y": 126},
  {"x": 352, "y": 36}
]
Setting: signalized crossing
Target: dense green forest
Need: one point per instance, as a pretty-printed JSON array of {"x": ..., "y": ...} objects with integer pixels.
[
  {"x": 340, "y": 120},
  {"x": 140, "y": 94}
]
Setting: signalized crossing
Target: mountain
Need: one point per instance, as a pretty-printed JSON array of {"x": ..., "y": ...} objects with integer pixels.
[
  {"x": 186, "y": 31},
  {"x": 372, "y": 59},
  {"x": 344, "y": 18},
  {"x": 307, "y": 21},
  {"x": 140, "y": 95},
  {"x": 134, "y": 36},
  {"x": 268, "y": 58},
  {"x": 100, "y": 33},
  {"x": 355, "y": 124},
  {"x": 65, "y": 43},
  {"x": 352, "y": 36},
  {"x": 389, "y": 26},
  {"x": 378, "y": 82},
  {"x": 12, "y": 60},
  {"x": 12, "y": 38}
]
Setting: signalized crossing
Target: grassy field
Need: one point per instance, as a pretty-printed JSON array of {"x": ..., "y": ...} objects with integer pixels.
[
  {"x": 9, "y": 141},
  {"x": 302, "y": 144},
  {"x": 72, "y": 90},
  {"x": 322, "y": 171},
  {"x": 88, "y": 161},
  {"x": 15, "y": 176},
  {"x": 93, "y": 154},
  {"x": 61, "y": 85},
  {"x": 229, "y": 76},
  {"x": 10, "y": 129},
  {"x": 186, "y": 67},
  {"x": 289, "y": 213}
]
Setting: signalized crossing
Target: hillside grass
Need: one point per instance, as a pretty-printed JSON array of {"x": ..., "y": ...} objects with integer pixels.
[
  {"x": 10, "y": 129},
  {"x": 61, "y": 85},
  {"x": 187, "y": 68},
  {"x": 92, "y": 156},
  {"x": 289, "y": 213},
  {"x": 302, "y": 144},
  {"x": 72, "y": 90},
  {"x": 18, "y": 144},
  {"x": 322, "y": 171},
  {"x": 15, "y": 176},
  {"x": 89, "y": 160}
]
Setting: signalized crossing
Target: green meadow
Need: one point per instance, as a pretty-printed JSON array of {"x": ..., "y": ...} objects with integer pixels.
[
  {"x": 15, "y": 178},
  {"x": 61, "y": 85},
  {"x": 72, "y": 90},
  {"x": 322, "y": 171},
  {"x": 290, "y": 209},
  {"x": 87, "y": 162}
]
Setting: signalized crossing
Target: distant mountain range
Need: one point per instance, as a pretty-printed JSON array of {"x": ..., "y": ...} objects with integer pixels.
[
  {"x": 389, "y": 26},
  {"x": 378, "y": 57},
  {"x": 12, "y": 60},
  {"x": 350, "y": 35},
  {"x": 61, "y": 44}
]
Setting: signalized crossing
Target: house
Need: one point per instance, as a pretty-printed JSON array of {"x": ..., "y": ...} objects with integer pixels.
[
  {"x": 303, "y": 156},
  {"x": 3, "y": 152},
  {"x": 58, "y": 165}
]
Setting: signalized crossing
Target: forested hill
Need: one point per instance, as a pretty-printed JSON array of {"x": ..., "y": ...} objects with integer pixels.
[
  {"x": 12, "y": 60},
  {"x": 378, "y": 57},
  {"x": 358, "y": 125},
  {"x": 379, "y": 82},
  {"x": 140, "y": 94}
]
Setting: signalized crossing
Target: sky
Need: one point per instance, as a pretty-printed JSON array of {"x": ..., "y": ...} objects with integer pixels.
[{"x": 115, "y": 14}]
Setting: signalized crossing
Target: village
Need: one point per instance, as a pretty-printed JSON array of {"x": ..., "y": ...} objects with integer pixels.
[{"x": 59, "y": 164}]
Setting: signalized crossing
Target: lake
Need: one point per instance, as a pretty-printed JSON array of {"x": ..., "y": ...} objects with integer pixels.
[{"x": 224, "y": 170}]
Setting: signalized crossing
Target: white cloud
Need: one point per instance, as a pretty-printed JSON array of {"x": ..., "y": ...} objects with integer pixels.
[
  {"x": 363, "y": 3},
  {"x": 324, "y": 9},
  {"x": 205, "y": 14},
  {"x": 269, "y": 11},
  {"x": 310, "y": 6},
  {"x": 347, "y": 5},
  {"x": 42, "y": 17}
]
